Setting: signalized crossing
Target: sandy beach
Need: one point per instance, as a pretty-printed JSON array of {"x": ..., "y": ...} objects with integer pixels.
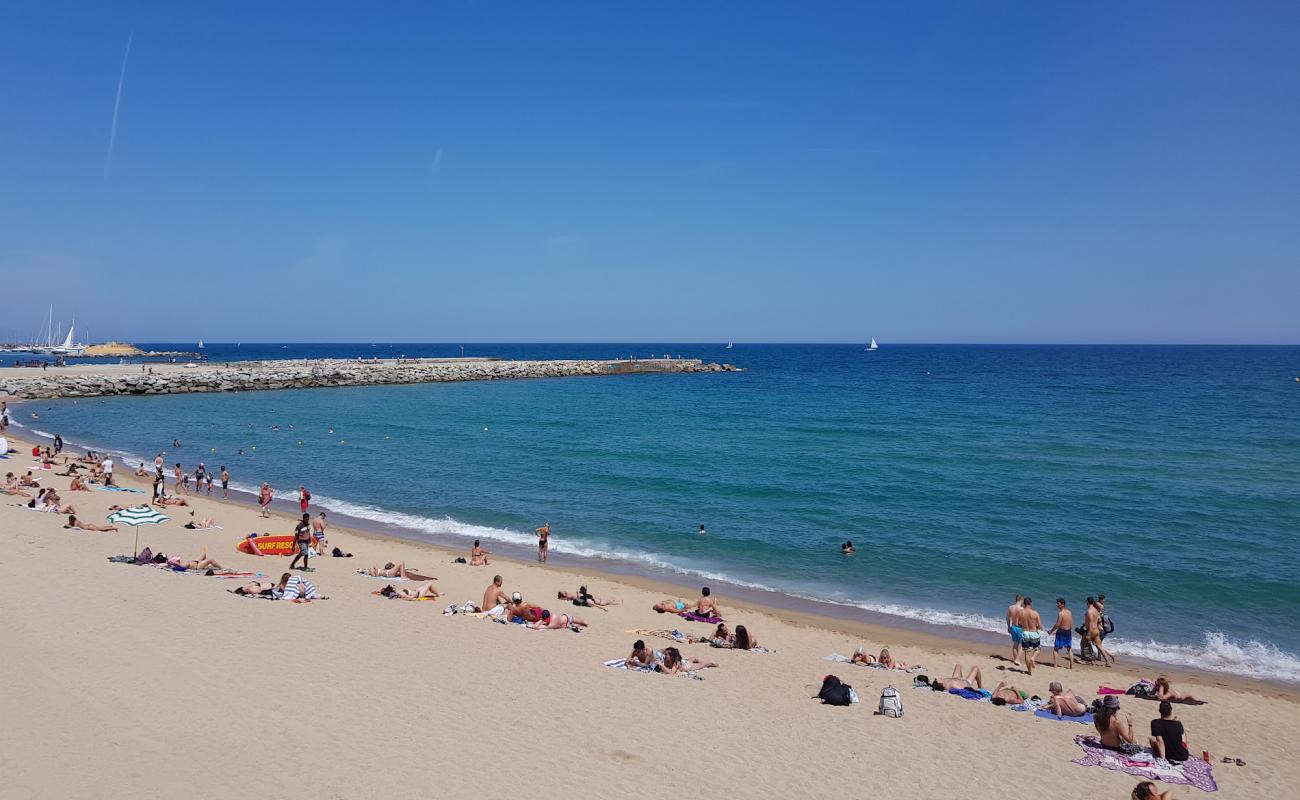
[{"x": 127, "y": 681}]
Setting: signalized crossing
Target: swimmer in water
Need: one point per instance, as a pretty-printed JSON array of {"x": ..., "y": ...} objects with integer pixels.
[{"x": 848, "y": 549}]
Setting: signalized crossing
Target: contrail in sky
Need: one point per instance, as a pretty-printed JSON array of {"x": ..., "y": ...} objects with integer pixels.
[
  {"x": 112, "y": 134},
  {"x": 437, "y": 160}
]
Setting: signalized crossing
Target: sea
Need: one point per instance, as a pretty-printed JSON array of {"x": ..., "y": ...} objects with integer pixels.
[{"x": 1165, "y": 477}]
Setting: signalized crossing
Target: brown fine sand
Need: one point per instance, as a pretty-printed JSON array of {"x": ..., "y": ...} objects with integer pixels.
[{"x": 125, "y": 681}]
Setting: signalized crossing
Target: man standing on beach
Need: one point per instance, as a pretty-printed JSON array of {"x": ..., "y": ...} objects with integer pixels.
[
  {"x": 107, "y": 466},
  {"x": 318, "y": 526},
  {"x": 1013, "y": 627},
  {"x": 1064, "y": 630},
  {"x": 543, "y": 540},
  {"x": 1031, "y": 634},
  {"x": 302, "y": 538},
  {"x": 1092, "y": 632}
]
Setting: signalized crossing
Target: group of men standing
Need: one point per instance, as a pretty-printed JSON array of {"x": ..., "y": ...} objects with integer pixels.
[{"x": 1026, "y": 628}]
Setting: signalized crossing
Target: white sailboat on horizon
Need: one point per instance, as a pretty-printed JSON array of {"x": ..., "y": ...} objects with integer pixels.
[
  {"x": 200, "y": 344},
  {"x": 730, "y": 344},
  {"x": 873, "y": 345}
]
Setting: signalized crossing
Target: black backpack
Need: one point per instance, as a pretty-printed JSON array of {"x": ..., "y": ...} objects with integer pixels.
[{"x": 835, "y": 692}]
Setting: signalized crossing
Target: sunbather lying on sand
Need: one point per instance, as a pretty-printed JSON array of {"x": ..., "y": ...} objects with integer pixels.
[
  {"x": 1009, "y": 695},
  {"x": 740, "y": 640},
  {"x": 201, "y": 563},
  {"x": 671, "y": 606},
  {"x": 891, "y": 662},
  {"x": 1064, "y": 702},
  {"x": 86, "y": 526},
  {"x": 555, "y": 622},
  {"x": 256, "y": 587},
  {"x": 673, "y": 663},
  {"x": 172, "y": 501},
  {"x": 861, "y": 656},
  {"x": 584, "y": 598},
  {"x": 398, "y": 570},
  {"x": 973, "y": 680},
  {"x": 425, "y": 591},
  {"x": 1146, "y": 790},
  {"x": 1165, "y": 692},
  {"x": 207, "y": 523},
  {"x": 641, "y": 656}
]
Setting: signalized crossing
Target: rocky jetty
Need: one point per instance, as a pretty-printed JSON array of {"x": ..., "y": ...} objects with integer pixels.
[{"x": 242, "y": 376}]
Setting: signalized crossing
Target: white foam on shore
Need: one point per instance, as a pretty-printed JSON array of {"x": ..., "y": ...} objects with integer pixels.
[{"x": 1215, "y": 653}]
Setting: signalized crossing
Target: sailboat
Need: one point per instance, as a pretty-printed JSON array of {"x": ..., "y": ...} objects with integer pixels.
[
  {"x": 200, "y": 344},
  {"x": 730, "y": 344},
  {"x": 69, "y": 346},
  {"x": 873, "y": 345}
]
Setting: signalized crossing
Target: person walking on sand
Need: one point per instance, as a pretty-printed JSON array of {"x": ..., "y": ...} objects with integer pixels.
[
  {"x": 264, "y": 499},
  {"x": 318, "y": 527},
  {"x": 182, "y": 480},
  {"x": 543, "y": 540},
  {"x": 1031, "y": 634},
  {"x": 225, "y": 483},
  {"x": 304, "y": 499},
  {"x": 1064, "y": 630},
  {"x": 107, "y": 467},
  {"x": 1013, "y": 627},
  {"x": 1092, "y": 632},
  {"x": 302, "y": 538}
]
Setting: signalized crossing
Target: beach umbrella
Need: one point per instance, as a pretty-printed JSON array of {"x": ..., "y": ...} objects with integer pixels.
[{"x": 135, "y": 517}]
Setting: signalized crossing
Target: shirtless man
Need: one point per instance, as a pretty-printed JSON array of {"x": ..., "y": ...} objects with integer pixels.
[
  {"x": 1007, "y": 694},
  {"x": 543, "y": 540},
  {"x": 1031, "y": 634},
  {"x": 671, "y": 606},
  {"x": 495, "y": 600},
  {"x": 641, "y": 657},
  {"x": 973, "y": 680},
  {"x": 318, "y": 526},
  {"x": 584, "y": 598},
  {"x": 518, "y": 608},
  {"x": 478, "y": 557},
  {"x": 1064, "y": 630},
  {"x": 1064, "y": 702},
  {"x": 706, "y": 606},
  {"x": 1092, "y": 631},
  {"x": 1013, "y": 627},
  {"x": 556, "y": 622}
]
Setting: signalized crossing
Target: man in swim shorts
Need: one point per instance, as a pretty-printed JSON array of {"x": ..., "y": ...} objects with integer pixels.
[
  {"x": 1031, "y": 634},
  {"x": 1064, "y": 630},
  {"x": 1013, "y": 627},
  {"x": 495, "y": 600}
]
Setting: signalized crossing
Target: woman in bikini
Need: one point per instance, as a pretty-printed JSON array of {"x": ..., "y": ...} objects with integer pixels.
[
  {"x": 671, "y": 606},
  {"x": 555, "y": 622},
  {"x": 861, "y": 656},
  {"x": 203, "y": 562},
  {"x": 890, "y": 662},
  {"x": 398, "y": 570},
  {"x": 422, "y": 593},
  {"x": 1165, "y": 692},
  {"x": 1112, "y": 734},
  {"x": 674, "y": 664}
]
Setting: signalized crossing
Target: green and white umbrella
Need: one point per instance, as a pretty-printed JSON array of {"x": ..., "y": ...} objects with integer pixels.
[{"x": 135, "y": 517}]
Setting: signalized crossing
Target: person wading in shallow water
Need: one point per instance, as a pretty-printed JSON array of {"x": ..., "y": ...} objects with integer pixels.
[{"x": 543, "y": 540}]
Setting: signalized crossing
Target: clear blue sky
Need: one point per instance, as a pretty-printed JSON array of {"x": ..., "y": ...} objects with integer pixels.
[{"x": 565, "y": 171}]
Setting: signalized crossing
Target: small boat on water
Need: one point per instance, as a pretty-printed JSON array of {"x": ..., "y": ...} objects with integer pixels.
[
  {"x": 200, "y": 344},
  {"x": 730, "y": 344},
  {"x": 872, "y": 346}
]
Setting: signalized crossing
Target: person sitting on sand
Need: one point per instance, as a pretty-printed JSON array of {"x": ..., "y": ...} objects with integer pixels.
[
  {"x": 172, "y": 501},
  {"x": 671, "y": 606},
  {"x": 861, "y": 656},
  {"x": 29, "y": 481},
  {"x": 555, "y": 622},
  {"x": 584, "y": 598},
  {"x": 201, "y": 563},
  {"x": 78, "y": 486},
  {"x": 398, "y": 570},
  {"x": 143, "y": 471},
  {"x": 1168, "y": 739},
  {"x": 1112, "y": 734},
  {"x": 297, "y": 589},
  {"x": 742, "y": 640},
  {"x": 673, "y": 663},
  {"x": 421, "y": 593},
  {"x": 478, "y": 557},
  {"x": 73, "y": 524},
  {"x": 974, "y": 680},
  {"x": 1064, "y": 702},
  {"x": 1164, "y": 691},
  {"x": 11, "y": 487},
  {"x": 706, "y": 606},
  {"x": 641, "y": 656},
  {"x": 495, "y": 600},
  {"x": 721, "y": 636},
  {"x": 1146, "y": 790}
]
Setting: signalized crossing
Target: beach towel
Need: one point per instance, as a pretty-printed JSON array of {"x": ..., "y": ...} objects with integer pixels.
[
  {"x": 693, "y": 617},
  {"x": 621, "y": 663},
  {"x": 1110, "y": 690},
  {"x": 847, "y": 660},
  {"x": 1144, "y": 765},
  {"x": 983, "y": 695},
  {"x": 1045, "y": 713},
  {"x": 120, "y": 489}
]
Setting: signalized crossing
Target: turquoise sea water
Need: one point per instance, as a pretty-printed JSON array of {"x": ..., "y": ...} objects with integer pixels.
[{"x": 1167, "y": 478}]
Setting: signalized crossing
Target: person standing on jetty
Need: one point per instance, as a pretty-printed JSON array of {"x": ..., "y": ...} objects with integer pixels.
[
  {"x": 543, "y": 540},
  {"x": 1064, "y": 630}
]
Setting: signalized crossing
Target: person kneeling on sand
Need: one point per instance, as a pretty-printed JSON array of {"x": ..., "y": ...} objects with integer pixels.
[
  {"x": 555, "y": 622},
  {"x": 424, "y": 592},
  {"x": 973, "y": 680},
  {"x": 86, "y": 526},
  {"x": 1064, "y": 702},
  {"x": 398, "y": 570}
]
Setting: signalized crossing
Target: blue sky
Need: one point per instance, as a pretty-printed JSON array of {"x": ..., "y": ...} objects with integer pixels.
[{"x": 472, "y": 171}]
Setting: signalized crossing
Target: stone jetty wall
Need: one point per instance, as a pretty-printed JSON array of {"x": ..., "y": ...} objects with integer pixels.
[{"x": 241, "y": 376}]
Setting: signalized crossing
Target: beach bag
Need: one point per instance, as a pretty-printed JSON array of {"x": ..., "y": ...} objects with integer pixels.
[
  {"x": 1107, "y": 627},
  {"x": 891, "y": 704},
  {"x": 835, "y": 692}
]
